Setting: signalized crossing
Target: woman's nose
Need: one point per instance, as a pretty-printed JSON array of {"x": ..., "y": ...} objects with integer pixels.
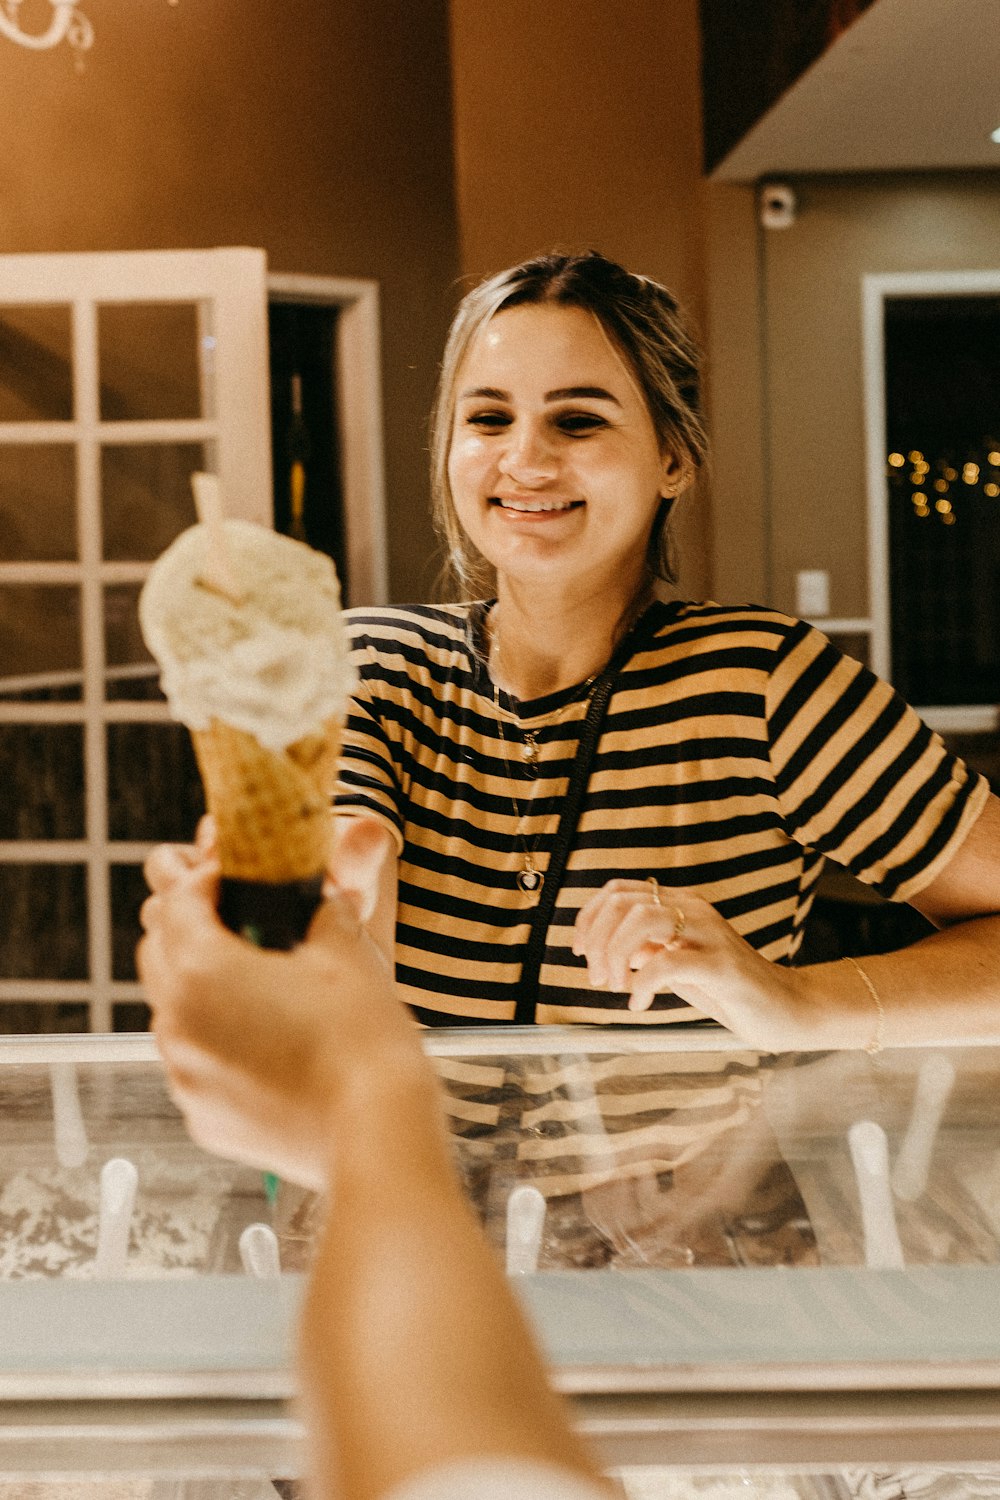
[{"x": 527, "y": 457}]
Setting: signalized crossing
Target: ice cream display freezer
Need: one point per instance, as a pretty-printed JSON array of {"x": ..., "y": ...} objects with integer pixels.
[{"x": 754, "y": 1275}]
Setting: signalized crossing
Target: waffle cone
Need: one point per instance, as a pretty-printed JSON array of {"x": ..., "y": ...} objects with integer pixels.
[{"x": 271, "y": 807}]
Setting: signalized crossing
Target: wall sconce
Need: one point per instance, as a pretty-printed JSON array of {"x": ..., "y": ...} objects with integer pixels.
[{"x": 67, "y": 23}]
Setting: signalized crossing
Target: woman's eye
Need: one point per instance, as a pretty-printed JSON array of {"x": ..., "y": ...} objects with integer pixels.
[
  {"x": 487, "y": 421},
  {"x": 580, "y": 423}
]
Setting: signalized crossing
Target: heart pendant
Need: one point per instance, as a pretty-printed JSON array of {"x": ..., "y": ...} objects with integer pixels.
[{"x": 530, "y": 880}]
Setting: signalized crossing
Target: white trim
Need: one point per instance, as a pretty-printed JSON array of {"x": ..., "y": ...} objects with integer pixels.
[
  {"x": 861, "y": 626},
  {"x": 961, "y": 719},
  {"x": 359, "y": 386},
  {"x": 873, "y": 361},
  {"x": 875, "y": 288}
]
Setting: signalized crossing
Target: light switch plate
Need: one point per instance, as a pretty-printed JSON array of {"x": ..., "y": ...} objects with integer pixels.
[{"x": 812, "y": 593}]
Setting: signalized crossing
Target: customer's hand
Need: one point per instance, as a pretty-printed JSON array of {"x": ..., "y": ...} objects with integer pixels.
[
  {"x": 259, "y": 1044},
  {"x": 361, "y": 847}
]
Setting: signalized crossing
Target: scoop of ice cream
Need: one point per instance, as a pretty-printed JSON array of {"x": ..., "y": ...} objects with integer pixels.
[{"x": 272, "y": 662}]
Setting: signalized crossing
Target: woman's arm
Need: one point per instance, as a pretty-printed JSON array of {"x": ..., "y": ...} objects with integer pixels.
[
  {"x": 365, "y": 865},
  {"x": 414, "y": 1351},
  {"x": 942, "y": 989}
]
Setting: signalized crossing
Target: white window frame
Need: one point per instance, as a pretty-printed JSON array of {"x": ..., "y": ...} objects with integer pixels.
[
  {"x": 875, "y": 289},
  {"x": 235, "y": 426},
  {"x": 358, "y": 360}
]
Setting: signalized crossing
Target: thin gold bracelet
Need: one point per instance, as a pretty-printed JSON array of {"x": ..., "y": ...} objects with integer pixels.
[{"x": 878, "y": 1040}]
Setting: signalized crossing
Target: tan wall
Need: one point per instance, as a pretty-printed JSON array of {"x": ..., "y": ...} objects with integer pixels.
[
  {"x": 578, "y": 125},
  {"x": 802, "y": 364},
  {"x": 318, "y": 129}
]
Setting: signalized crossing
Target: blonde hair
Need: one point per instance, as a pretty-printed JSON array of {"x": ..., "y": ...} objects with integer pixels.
[{"x": 642, "y": 320}]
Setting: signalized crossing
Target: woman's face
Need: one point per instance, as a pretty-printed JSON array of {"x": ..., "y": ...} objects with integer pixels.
[{"x": 554, "y": 464}]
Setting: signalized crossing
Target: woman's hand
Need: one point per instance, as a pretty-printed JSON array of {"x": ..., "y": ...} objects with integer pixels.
[
  {"x": 648, "y": 940},
  {"x": 258, "y": 1044}
]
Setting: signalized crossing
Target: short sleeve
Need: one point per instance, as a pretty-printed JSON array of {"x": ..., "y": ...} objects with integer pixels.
[
  {"x": 499, "y": 1479},
  {"x": 368, "y": 779},
  {"x": 859, "y": 776}
]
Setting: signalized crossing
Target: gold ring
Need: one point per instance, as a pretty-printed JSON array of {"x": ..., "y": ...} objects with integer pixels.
[
  {"x": 680, "y": 922},
  {"x": 654, "y": 886}
]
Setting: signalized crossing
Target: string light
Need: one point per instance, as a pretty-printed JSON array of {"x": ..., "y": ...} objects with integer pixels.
[{"x": 979, "y": 473}]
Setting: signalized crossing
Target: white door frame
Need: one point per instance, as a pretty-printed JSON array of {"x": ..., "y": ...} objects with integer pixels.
[
  {"x": 874, "y": 291},
  {"x": 359, "y": 384}
]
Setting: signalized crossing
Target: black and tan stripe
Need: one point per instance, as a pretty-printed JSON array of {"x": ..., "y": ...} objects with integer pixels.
[{"x": 739, "y": 749}]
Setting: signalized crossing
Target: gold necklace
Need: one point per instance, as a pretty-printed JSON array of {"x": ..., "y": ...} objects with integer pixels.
[{"x": 529, "y": 878}]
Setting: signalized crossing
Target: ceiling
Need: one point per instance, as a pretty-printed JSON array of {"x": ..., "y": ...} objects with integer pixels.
[{"x": 912, "y": 85}]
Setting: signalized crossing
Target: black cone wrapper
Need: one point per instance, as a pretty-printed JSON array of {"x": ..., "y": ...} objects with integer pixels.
[{"x": 271, "y": 915}]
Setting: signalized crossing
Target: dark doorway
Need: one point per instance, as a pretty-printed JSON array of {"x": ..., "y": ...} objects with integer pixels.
[{"x": 305, "y": 440}]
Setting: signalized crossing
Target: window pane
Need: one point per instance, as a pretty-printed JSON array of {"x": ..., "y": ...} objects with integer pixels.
[
  {"x": 131, "y": 672},
  {"x": 149, "y": 361},
  {"x": 41, "y": 1016},
  {"x": 128, "y": 891},
  {"x": 37, "y": 502},
  {"x": 36, "y": 383},
  {"x": 40, "y": 641},
  {"x": 154, "y": 791},
  {"x": 41, "y": 771},
  {"x": 147, "y": 497},
  {"x": 43, "y": 934}
]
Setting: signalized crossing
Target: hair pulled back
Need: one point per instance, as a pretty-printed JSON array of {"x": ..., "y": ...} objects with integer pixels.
[{"x": 643, "y": 321}]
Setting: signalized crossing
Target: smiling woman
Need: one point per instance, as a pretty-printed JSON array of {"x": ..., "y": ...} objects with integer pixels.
[
  {"x": 606, "y": 806},
  {"x": 556, "y": 481}
]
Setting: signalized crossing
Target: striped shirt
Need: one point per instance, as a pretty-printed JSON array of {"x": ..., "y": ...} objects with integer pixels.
[{"x": 739, "y": 750}]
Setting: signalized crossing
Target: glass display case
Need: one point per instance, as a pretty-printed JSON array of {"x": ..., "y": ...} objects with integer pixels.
[{"x": 755, "y": 1275}]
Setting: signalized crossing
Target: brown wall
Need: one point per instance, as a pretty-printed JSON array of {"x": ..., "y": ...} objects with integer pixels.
[
  {"x": 789, "y": 484},
  {"x": 578, "y": 125},
  {"x": 318, "y": 130}
]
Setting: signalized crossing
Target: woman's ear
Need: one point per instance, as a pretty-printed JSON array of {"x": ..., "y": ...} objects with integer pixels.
[{"x": 676, "y": 474}]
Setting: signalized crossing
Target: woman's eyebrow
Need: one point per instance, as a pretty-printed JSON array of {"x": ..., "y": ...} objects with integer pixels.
[
  {"x": 564, "y": 393},
  {"x": 576, "y": 392}
]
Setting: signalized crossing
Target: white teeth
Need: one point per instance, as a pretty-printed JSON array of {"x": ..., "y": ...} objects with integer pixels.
[{"x": 529, "y": 506}]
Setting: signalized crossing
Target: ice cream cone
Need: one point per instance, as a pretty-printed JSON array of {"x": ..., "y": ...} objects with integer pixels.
[
  {"x": 247, "y": 628},
  {"x": 271, "y": 807}
]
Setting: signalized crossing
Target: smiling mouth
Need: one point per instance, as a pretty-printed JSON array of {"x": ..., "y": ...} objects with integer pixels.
[{"x": 536, "y": 507}]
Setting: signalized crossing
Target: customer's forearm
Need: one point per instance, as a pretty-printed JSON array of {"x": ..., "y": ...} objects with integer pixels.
[{"x": 408, "y": 1302}]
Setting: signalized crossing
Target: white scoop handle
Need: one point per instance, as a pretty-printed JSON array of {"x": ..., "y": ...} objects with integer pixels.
[
  {"x": 259, "y": 1251},
  {"x": 119, "y": 1181},
  {"x": 72, "y": 1146},
  {"x": 935, "y": 1081},
  {"x": 870, "y": 1155},
  {"x": 525, "y": 1223}
]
